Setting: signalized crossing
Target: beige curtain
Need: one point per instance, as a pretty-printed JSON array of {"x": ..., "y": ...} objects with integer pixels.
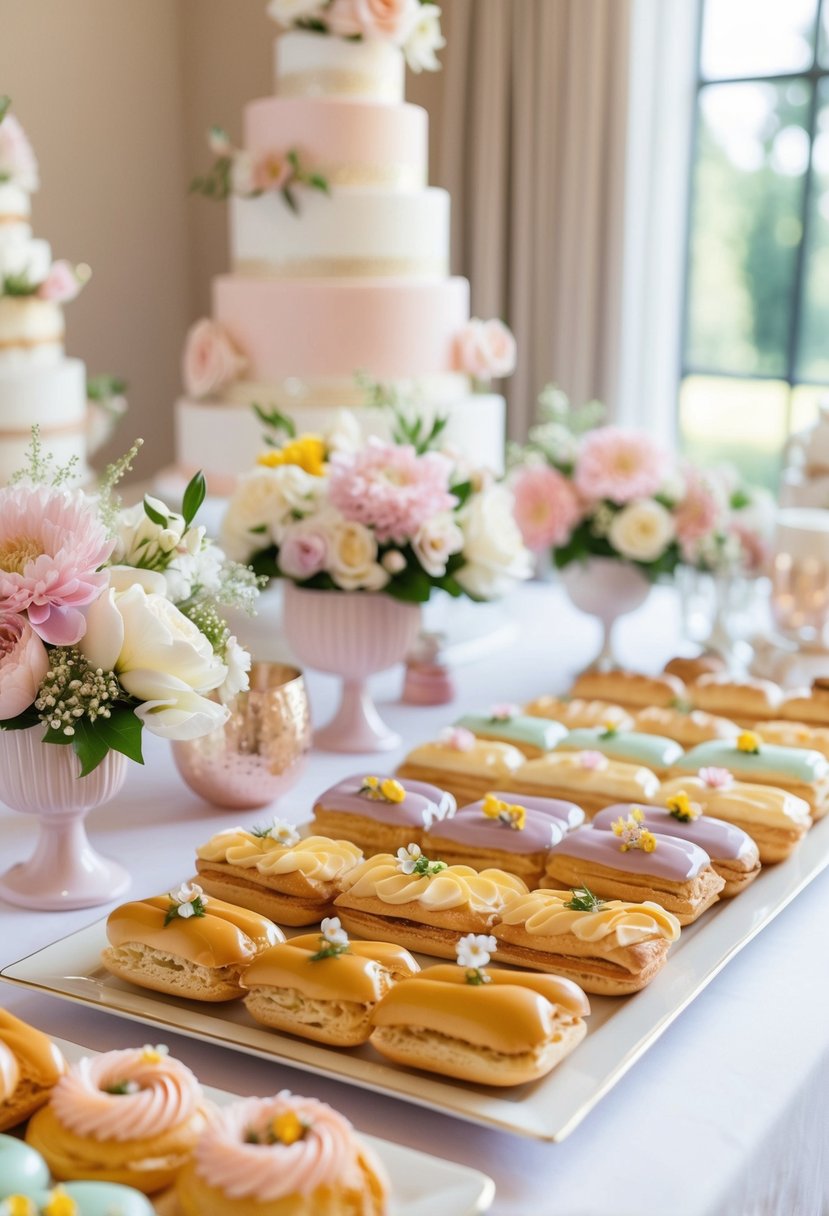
[{"x": 531, "y": 143}]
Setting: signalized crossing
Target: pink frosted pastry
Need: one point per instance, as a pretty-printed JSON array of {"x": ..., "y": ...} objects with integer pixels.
[
  {"x": 282, "y": 1154},
  {"x": 379, "y": 813},
  {"x": 632, "y": 863},
  {"x": 131, "y": 1117}
]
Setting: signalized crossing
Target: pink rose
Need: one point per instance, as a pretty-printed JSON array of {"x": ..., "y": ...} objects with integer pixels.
[
  {"x": 61, "y": 284},
  {"x": 211, "y": 361},
  {"x": 23, "y": 664},
  {"x": 271, "y": 172},
  {"x": 486, "y": 349},
  {"x": 547, "y": 507},
  {"x": 384, "y": 20},
  {"x": 18, "y": 163},
  {"x": 303, "y": 551}
]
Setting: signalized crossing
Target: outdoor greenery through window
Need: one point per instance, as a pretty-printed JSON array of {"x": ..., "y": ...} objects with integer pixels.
[{"x": 755, "y": 358}]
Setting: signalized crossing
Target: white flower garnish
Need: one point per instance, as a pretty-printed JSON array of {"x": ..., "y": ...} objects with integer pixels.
[
  {"x": 333, "y": 932},
  {"x": 284, "y": 833},
  {"x": 475, "y": 950},
  {"x": 408, "y": 858},
  {"x": 189, "y": 900}
]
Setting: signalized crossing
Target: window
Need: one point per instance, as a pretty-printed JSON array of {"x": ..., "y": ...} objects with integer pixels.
[{"x": 755, "y": 345}]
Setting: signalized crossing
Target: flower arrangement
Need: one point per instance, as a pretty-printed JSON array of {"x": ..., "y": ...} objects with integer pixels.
[
  {"x": 236, "y": 171},
  {"x": 110, "y": 617},
  {"x": 412, "y": 25},
  {"x": 340, "y": 513},
  {"x": 724, "y": 524}
]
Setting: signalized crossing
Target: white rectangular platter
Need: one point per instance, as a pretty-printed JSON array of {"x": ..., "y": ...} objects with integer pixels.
[
  {"x": 421, "y": 1184},
  {"x": 619, "y": 1031}
]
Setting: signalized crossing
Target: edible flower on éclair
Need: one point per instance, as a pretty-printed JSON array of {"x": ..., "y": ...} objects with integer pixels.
[
  {"x": 609, "y": 729},
  {"x": 280, "y": 831},
  {"x": 716, "y": 778},
  {"x": 749, "y": 742},
  {"x": 412, "y": 861},
  {"x": 513, "y": 816},
  {"x": 189, "y": 900},
  {"x": 503, "y": 711},
  {"x": 385, "y": 789},
  {"x": 458, "y": 738},
  {"x": 60, "y": 1203},
  {"x": 18, "y": 1205},
  {"x": 583, "y": 900},
  {"x": 682, "y": 808},
  {"x": 631, "y": 833},
  {"x": 595, "y": 762},
  {"x": 333, "y": 940},
  {"x": 474, "y": 951}
]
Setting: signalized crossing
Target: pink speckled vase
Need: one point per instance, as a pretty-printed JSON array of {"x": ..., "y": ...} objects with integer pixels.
[
  {"x": 352, "y": 634},
  {"x": 41, "y": 779}
]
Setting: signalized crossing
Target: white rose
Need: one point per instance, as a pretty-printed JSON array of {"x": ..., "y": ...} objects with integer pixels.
[
  {"x": 345, "y": 435},
  {"x": 436, "y": 541},
  {"x": 352, "y": 560},
  {"x": 425, "y": 40},
  {"x": 140, "y": 540},
  {"x": 237, "y": 660},
  {"x": 160, "y": 657},
  {"x": 642, "y": 531},
  {"x": 265, "y": 498},
  {"x": 288, "y": 12},
  {"x": 495, "y": 555}
]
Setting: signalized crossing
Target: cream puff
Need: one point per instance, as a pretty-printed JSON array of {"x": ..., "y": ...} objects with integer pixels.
[
  {"x": 630, "y": 688},
  {"x": 656, "y": 752},
  {"x": 504, "y": 831},
  {"x": 505, "y": 723},
  {"x": 275, "y": 872},
  {"x": 632, "y": 863},
  {"x": 687, "y": 727},
  {"x": 421, "y": 904},
  {"x": 322, "y": 986},
  {"x": 30, "y": 1066},
  {"x": 588, "y": 777},
  {"x": 459, "y": 762},
  {"x": 734, "y": 855},
  {"x": 131, "y": 1117},
  {"x": 380, "y": 813},
  {"x": 285, "y": 1155},
  {"x": 477, "y": 1023},
  {"x": 607, "y": 946},
  {"x": 186, "y": 944},
  {"x": 574, "y": 712}
]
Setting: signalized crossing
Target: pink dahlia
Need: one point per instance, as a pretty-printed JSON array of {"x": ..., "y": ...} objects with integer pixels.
[
  {"x": 52, "y": 544},
  {"x": 547, "y": 507},
  {"x": 699, "y": 513},
  {"x": 390, "y": 489},
  {"x": 619, "y": 465}
]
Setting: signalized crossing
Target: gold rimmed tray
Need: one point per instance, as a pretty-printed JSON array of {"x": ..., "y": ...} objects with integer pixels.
[{"x": 619, "y": 1031}]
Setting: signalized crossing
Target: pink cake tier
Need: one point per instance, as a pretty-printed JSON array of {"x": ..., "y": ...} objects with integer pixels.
[
  {"x": 351, "y": 143},
  {"x": 390, "y": 328}
]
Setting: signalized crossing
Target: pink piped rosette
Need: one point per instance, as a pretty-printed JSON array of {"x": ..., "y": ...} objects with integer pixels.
[{"x": 126, "y": 1095}]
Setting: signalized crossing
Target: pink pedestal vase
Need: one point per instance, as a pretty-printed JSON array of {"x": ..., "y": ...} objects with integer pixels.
[
  {"x": 605, "y": 588},
  {"x": 352, "y": 634},
  {"x": 41, "y": 779}
]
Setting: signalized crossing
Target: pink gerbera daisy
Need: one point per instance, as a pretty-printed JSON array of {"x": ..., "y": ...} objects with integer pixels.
[
  {"x": 547, "y": 507},
  {"x": 619, "y": 465},
  {"x": 52, "y": 544}
]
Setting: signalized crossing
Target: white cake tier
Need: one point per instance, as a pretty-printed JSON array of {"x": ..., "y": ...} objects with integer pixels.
[
  {"x": 351, "y": 143},
  {"x": 54, "y": 398},
  {"x": 343, "y": 392},
  {"x": 31, "y": 330},
  {"x": 225, "y": 440},
  {"x": 24, "y": 256},
  {"x": 388, "y": 328},
  {"x": 319, "y": 65},
  {"x": 351, "y": 235},
  {"x": 15, "y": 209}
]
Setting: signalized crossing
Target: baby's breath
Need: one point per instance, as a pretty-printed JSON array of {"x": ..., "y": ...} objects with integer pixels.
[{"x": 74, "y": 689}]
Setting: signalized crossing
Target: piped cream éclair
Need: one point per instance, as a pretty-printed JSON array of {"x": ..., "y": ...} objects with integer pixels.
[
  {"x": 611, "y": 947},
  {"x": 422, "y": 904},
  {"x": 632, "y": 863},
  {"x": 272, "y": 870},
  {"x": 464, "y": 765},
  {"x": 30, "y": 1067},
  {"x": 380, "y": 813},
  {"x": 587, "y": 777},
  {"x": 477, "y": 1023},
  {"x": 186, "y": 944},
  {"x": 734, "y": 855},
  {"x": 775, "y": 819},
  {"x": 323, "y": 986}
]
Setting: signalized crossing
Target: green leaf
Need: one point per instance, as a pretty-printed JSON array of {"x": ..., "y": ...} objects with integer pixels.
[
  {"x": 290, "y": 199},
  {"x": 57, "y": 736},
  {"x": 5, "y": 104},
  {"x": 292, "y": 157},
  {"x": 155, "y": 516},
  {"x": 275, "y": 420},
  {"x": 194, "y": 496},
  {"x": 462, "y": 491},
  {"x": 318, "y": 182},
  {"x": 121, "y": 732},
  {"x": 259, "y": 530},
  {"x": 101, "y": 388},
  {"x": 89, "y": 745}
]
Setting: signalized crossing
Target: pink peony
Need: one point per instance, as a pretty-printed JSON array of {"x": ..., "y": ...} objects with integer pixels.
[
  {"x": 303, "y": 551},
  {"x": 382, "y": 20},
  {"x": 698, "y": 514},
  {"x": 23, "y": 664},
  {"x": 389, "y": 488},
  {"x": 619, "y": 465},
  {"x": 61, "y": 284},
  {"x": 18, "y": 163},
  {"x": 547, "y": 507},
  {"x": 211, "y": 361},
  {"x": 716, "y": 778},
  {"x": 486, "y": 349},
  {"x": 51, "y": 546}
]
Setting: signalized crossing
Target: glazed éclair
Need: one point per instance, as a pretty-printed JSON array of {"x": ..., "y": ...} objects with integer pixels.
[
  {"x": 588, "y": 778},
  {"x": 462, "y": 764},
  {"x": 379, "y": 813}
]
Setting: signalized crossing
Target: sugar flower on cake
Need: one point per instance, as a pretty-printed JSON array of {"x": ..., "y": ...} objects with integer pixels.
[
  {"x": 486, "y": 350},
  {"x": 412, "y": 25},
  {"x": 237, "y": 171},
  {"x": 211, "y": 362},
  {"x": 18, "y": 163},
  {"x": 425, "y": 40}
]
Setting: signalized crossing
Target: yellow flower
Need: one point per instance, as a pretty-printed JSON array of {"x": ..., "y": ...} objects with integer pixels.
[
  {"x": 513, "y": 815},
  {"x": 637, "y": 814},
  {"x": 632, "y": 834},
  {"x": 60, "y": 1204},
  {"x": 392, "y": 790},
  {"x": 492, "y": 806},
  {"x": 308, "y": 452},
  {"x": 288, "y": 1127},
  {"x": 648, "y": 841},
  {"x": 682, "y": 808},
  {"x": 749, "y": 741},
  {"x": 19, "y": 1205},
  {"x": 371, "y": 783},
  {"x": 153, "y": 1055}
]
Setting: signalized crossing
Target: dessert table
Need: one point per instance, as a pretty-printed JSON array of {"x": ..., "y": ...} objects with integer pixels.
[{"x": 727, "y": 1113}]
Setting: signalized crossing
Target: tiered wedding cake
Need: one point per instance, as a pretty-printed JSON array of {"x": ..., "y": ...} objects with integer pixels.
[
  {"x": 38, "y": 384},
  {"x": 340, "y": 255}
]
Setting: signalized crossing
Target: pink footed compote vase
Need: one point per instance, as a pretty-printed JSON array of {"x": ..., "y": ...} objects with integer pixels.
[
  {"x": 353, "y": 634},
  {"x": 42, "y": 779},
  {"x": 605, "y": 588}
]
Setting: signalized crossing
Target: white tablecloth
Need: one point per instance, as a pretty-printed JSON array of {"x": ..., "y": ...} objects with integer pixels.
[{"x": 727, "y": 1114}]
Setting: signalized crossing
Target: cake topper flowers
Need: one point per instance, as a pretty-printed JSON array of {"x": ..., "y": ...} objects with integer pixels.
[
  {"x": 411, "y": 25},
  {"x": 474, "y": 951},
  {"x": 682, "y": 808},
  {"x": 189, "y": 900},
  {"x": 512, "y": 816},
  {"x": 412, "y": 861},
  {"x": 631, "y": 833},
  {"x": 236, "y": 171},
  {"x": 333, "y": 940}
]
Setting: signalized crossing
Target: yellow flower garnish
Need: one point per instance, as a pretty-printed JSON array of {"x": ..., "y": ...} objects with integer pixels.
[
  {"x": 392, "y": 790},
  {"x": 60, "y": 1204},
  {"x": 682, "y": 808},
  {"x": 154, "y": 1055},
  {"x": 18, "y": 1205},
  {"x": 307, "y": 452},
  {"x": 632, "y": 834},
  {"x": 749, "y": 741},
  {"x": 371, "y": 783},
  {"x": 511, "y": 814},
  {"x": 288, "y": 1127}
]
